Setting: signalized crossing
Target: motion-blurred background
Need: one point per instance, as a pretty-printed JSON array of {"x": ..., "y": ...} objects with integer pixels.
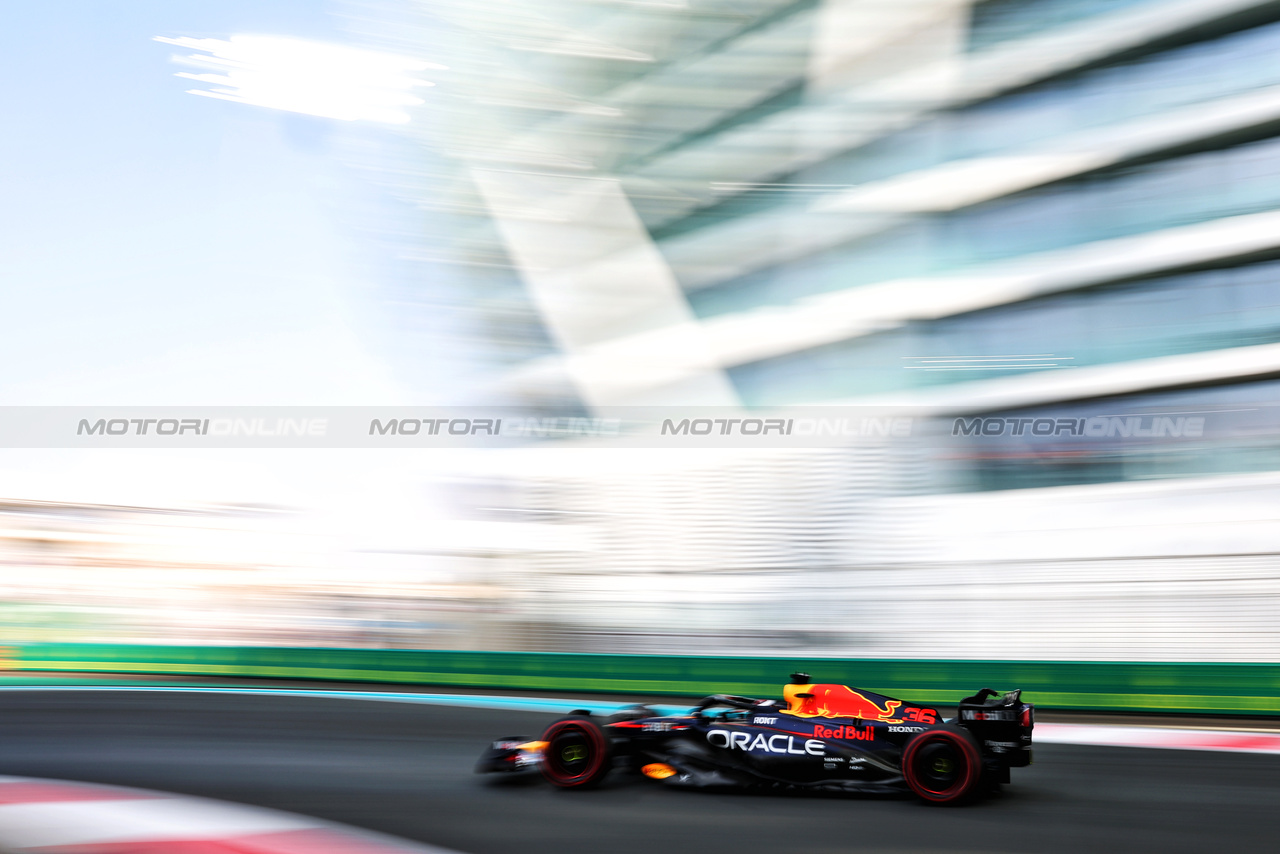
[{"x": 971, "y": 215}]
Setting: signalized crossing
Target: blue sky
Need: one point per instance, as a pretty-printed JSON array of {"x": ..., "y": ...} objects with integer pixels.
[{"x": 162, "y": 248}]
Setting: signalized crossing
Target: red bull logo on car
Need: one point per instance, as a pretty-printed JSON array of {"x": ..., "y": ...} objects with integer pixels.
[
  {"x": 836, "y": 701},
  {"x": 848, "y": 732}
]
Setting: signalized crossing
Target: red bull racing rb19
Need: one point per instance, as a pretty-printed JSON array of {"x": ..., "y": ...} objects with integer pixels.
[{"x": 819, "y": 736}]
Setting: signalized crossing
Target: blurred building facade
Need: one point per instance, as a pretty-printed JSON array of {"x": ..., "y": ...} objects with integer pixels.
[
  {"x": 962, "y": 206},
  {"x": 1019, "y": 211}
]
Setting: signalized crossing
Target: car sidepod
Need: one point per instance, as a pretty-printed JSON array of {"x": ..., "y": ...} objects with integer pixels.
[{"x": 776, "y": 749}]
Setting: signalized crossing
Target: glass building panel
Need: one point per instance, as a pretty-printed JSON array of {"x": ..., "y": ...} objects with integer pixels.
[
  {"x": 902, "y": 251},
  {"x": 1141, "y": 320},
  {"x": 996, "y": 21},
  {"x": 1219, "y": 68},
  {"x": 1127, "y": 202}
]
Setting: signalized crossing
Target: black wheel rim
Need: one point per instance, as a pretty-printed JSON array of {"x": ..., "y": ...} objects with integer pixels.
[
  {"x": 569, "y": 753},
  {"x": 939, "y": 766}
]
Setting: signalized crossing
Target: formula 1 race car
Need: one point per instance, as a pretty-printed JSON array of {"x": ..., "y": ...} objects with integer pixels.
[{"x": 821, "y": 737}]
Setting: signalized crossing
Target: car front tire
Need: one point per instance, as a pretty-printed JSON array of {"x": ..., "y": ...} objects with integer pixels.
[{"x": 577, "y": 754}]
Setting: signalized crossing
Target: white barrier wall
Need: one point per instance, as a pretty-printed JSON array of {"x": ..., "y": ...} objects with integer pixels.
[{"x": 815, "y": 554}]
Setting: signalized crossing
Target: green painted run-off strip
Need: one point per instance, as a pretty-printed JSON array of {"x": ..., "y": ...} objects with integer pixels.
[{"x": 1113, "y": 686}]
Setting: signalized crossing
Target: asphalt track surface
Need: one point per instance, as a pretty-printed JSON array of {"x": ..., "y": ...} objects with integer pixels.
[{"x": 408, "y": 770}]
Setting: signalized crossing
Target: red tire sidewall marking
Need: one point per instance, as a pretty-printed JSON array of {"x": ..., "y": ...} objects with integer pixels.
[
  {"x": 597, "y": 743},
  {"x": 957, "y": 791}
]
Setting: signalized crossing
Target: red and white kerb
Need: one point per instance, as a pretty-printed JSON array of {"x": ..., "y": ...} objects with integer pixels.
[
  {"x": 61, "y": 817},
  {"x": 1230, "y": 741}
]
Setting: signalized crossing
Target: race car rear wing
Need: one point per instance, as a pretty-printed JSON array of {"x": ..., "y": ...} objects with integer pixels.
[{"x": 1001, "y": 723}]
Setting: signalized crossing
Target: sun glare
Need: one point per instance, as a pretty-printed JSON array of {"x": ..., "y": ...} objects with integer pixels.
[{"x": 299, "y": 76}]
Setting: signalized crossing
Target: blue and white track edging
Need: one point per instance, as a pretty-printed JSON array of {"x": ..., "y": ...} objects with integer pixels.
[
  {"x": 1176, "y": 738},
  {"x": 473, "y": 701}
]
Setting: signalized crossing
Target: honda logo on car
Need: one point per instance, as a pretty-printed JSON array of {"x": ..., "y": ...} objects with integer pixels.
[{"x": 772, "y": 744}]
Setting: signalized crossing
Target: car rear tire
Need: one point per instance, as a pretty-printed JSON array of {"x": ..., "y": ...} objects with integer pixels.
[
  {"x": 577, "y": 755},
  {"x": 942, "y": 765}
]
